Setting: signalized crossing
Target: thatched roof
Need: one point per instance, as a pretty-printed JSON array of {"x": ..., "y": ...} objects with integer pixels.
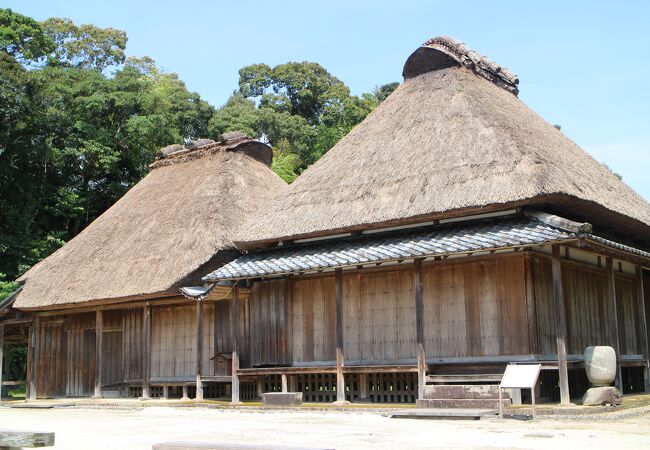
[
  {"x": 451, "y": 140},
  {"x": 170, "y": 229}
]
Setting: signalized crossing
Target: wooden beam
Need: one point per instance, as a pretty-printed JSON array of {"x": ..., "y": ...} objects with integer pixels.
[
  {"x": 612, "y": 312},
  {"x": 419, "y": 328},
  {"x": 234, "y": 322},
  {"x": 643, "y": 325},
  {"x": 2, "y": 347},
  {"x": 340, "y": 358},
  {"x": 531, "y": 306},
  {"x": 146, "y": 350},
  {"x": 560, "y": 325},
  {"x": 99, "y": 333},
  {"x": 199, "y": 349},
  {"x": 33, "y": 360}
]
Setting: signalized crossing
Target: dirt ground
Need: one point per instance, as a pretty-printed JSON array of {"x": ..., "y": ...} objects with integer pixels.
[{"x": 78, "y": 428}]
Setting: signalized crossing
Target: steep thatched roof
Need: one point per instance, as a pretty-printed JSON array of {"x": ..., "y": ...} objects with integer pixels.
[
  {"x": 453, "y": 139},
  {"x": 170, "y": 229}
]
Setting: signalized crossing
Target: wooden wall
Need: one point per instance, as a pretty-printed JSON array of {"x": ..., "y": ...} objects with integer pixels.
[
  {"x": 475, "y": 308},
  {"x": 132, "y": 344},
  {"x": 51, "y": 363},
  {"x": 585, "y": 293},
  {"x": 112, "y": 347},
  {"x": 471, "y": 308},
  {"x": 379, "y": 315},
  {"x": 80, "y": 329},
  {"x": 173, "y": 341}
]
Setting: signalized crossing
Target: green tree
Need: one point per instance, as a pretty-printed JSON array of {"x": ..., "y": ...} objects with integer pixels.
[
  {"x": 22, "y": 37},
  {"x": 85, "y": 46}
]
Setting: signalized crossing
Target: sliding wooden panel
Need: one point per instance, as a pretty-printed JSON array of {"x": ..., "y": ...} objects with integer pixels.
[
  {"x": 80, "y": 330},
  {"x": 475, "y": 308},
  {"x": 268, "y": 323},
  {"x": 132, "y": 344},
  {"x": 51, "y": 362},
  {"x": 313, "y": 319},
  {"x": 173, "y": 341}
]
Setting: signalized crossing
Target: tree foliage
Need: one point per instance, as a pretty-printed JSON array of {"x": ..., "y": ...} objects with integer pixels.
[
  {"x": 80, "y": 123},
  {"x": 73, "y": 140}
]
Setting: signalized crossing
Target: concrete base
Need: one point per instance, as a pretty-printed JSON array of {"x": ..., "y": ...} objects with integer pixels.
[
  {"x": 235, "y": 403},
  {"x": 597, "y": 396},
  {"x": 444, "y": 413},
  {"x": 282, "y": 398}
]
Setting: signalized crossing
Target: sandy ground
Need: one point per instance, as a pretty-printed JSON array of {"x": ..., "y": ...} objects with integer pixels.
[{"x": 140, "y": 429}]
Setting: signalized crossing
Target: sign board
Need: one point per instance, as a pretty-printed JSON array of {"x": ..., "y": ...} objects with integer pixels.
[{"x": 520, "y": 376}]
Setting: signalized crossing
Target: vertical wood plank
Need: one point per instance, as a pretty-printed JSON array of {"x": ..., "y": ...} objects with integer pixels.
[
  {"x": 34, "y": 356},
  {"x": 99, "y": 334},
  {"x": 340, "y": 358},
  {"x": 199, "y": 349},
  {"x": 612, "y": 319},
  {"x": 2, "y": 347},
  {"x": 234, "y": 322},
  {"x": 560, "y": 326},
  {"x": 419, "y": 328},
  {"x": 531, "y": 314},
  {"x": 643, "y": 325},
  {"x": 146, "y": 350}
]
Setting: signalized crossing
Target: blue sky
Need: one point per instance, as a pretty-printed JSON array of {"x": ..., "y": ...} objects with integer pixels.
[{"x": 582, "y": 64}]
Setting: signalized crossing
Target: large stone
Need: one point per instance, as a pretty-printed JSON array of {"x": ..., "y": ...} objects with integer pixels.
[
  {"x": 600, "y": 365},
  {"x": 282, "y": 398},
  {"x": 605, "y": 395}
]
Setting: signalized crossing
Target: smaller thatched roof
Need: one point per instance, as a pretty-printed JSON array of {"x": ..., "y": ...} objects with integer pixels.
[{"x": 170, "y": 229}]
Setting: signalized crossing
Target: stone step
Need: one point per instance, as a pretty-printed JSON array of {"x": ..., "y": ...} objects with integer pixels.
[
  {"x": 482, "y": 403},
  {"x": 464, "y": 391}
]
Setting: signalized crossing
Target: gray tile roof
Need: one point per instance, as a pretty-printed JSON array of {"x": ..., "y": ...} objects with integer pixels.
[{"x": 368, "y": 249}]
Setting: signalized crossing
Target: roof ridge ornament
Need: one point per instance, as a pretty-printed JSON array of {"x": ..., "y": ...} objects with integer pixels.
[
  {"x": 424, "y": 60},
  {"x": 581, "y": 228}
]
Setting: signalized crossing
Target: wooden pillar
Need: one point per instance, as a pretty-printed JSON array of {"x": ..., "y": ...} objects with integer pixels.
[
  {"x": 234, "y": 322},
  {"x": 33, "y": 360},
  {"x": 363, "y": 385},
  {"x": 612, "y": 312},
  {"x": 2, "y": 347},
  {"x": 643, "y": 326},
  {"x": 340, "y": 358},
  {"x": 292, "y": 383},
  {"x": 99, "y": 333},
  {"x": 560, "y": 326},
  {"x": 166, "y": 392},
  {"x": 185, "y": 396},
  {"x": 260, "y": 386},
  {"x": 146, "y": 350},
  {"x": 283, "y": 377},
  {"x": 199, "y": 350},
  {"x": 419, "y": 328}
]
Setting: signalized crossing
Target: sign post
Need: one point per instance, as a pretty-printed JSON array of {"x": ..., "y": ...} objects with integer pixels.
[{"x": 519, "y": 377}]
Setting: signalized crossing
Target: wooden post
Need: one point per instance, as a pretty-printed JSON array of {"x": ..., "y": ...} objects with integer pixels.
[
  {"x": 260, "y": 386},
  {"x": 185, "y": 396},
  {"x": 2, "y": 346},
  {"x": 560, "y": 326},
  {"x": 146, "y": 351},
  {"x": 199, "y": 350},
  {"x": 33, "y": 360},
  {"x": 292, "y": 383},
  {"x": 283, "y": 377},
  {"x": 419, "y": 328},
  {"x": 340, "y": 358},
  {"x": 99, "y": 333},
  {"x": 612, "y": 310},
  {"x": 643, "y": 326},
  {"x": 166, "y": 392},
  {"x": 234, "y": 319},
  {"x": 363, "y": 385}
]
